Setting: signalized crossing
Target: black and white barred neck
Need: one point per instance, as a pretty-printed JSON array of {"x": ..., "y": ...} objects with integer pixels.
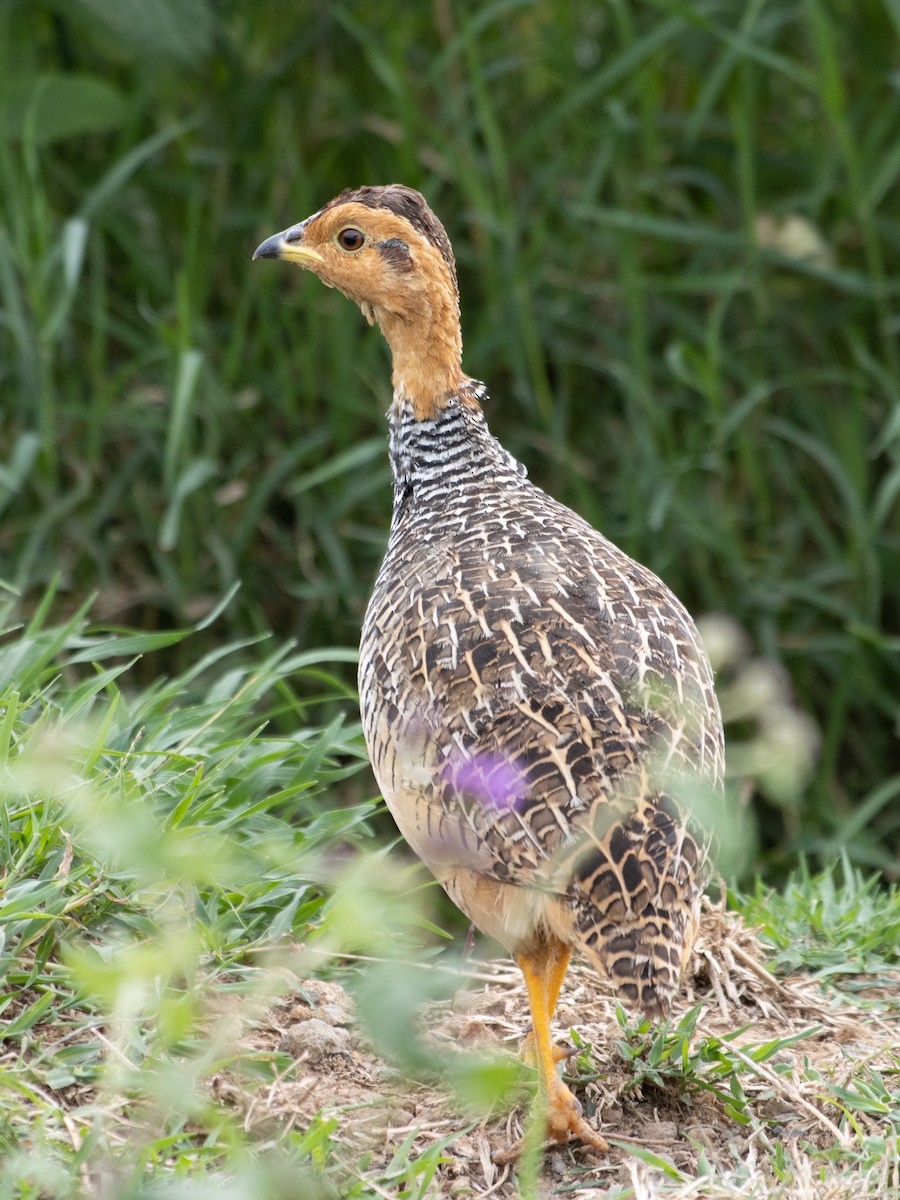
[{"x": 453, "y": 451}]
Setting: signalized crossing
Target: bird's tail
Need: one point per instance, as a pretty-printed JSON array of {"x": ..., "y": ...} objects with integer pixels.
[
  {"x": 636, "y": 897},
  {"x": 644, "y": 958}
]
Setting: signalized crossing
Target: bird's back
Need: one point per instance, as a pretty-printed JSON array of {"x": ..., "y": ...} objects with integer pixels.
[{"x": 538, "y": 709}]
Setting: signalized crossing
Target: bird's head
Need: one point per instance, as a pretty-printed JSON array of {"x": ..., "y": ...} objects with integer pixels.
[{"x": 385, "y": 249}]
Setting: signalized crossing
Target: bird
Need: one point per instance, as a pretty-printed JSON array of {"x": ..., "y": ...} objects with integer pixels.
[{"x": 538, "y": 708}]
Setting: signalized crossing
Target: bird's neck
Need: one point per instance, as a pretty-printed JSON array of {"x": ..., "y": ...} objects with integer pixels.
[
  {"x": 426, "y": 348},
  {"x": 442, "y": 458}
]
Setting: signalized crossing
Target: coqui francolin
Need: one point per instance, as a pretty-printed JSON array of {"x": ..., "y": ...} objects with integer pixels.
[{"x": 537, "y": 706}]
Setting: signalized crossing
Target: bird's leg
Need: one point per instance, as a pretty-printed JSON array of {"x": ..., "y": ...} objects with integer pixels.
[
  {"x": 543, "y": 974},
  {"x": 555, "y": 961}
]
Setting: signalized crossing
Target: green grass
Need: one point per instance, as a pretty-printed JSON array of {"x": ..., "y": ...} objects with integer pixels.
[
  {"x": 677, "y": 232},
  {"x": 837, "y": 924},
  {"x": 155, "y": 846}
]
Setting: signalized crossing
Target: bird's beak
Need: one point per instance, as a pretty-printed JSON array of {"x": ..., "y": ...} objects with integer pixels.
[{"x": 289, "y": 245}]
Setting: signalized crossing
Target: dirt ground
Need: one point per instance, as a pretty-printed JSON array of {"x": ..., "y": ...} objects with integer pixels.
[{"x": 336, "y": 1072}]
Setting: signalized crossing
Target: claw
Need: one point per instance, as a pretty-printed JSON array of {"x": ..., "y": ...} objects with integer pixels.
[
  {"x": 564, "y": 1118},
  {"x": 560, "y": 1053},
  {"x": 575, "y": 1126}
]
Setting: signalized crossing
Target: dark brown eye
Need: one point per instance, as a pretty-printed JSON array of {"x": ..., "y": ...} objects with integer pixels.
[{"x": 351, "y": 239}]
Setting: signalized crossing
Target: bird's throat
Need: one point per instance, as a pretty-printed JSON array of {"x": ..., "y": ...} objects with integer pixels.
[{"x": 427, "y": 359}]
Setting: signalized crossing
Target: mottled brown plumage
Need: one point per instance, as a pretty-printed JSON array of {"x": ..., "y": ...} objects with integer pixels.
[{"x": 537, "y": 706}]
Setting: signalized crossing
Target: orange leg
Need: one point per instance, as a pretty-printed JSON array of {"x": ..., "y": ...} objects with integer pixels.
[
  {"x": 551, "y": 965},
  {"x": 543, "y": 974},
  {"x": 557, "y": 965}
]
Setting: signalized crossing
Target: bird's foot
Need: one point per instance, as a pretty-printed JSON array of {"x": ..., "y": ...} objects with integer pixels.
[{"x": 565, "y": 1120}]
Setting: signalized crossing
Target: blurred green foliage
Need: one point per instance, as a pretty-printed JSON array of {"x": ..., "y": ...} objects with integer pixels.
[
  {"x": 169, "y": 869},
  {"x": 678, "y": 233}
]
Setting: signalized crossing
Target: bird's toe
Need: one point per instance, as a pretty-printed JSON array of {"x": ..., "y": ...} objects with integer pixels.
[{"x": 565, "y": 1119}]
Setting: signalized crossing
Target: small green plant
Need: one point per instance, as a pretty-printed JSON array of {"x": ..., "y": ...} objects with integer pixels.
[
  {"x": 673, "y": 1057},
  {"x": 837, "y": 923}
]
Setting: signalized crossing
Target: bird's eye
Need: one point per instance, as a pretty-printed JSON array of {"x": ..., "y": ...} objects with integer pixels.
[{"x": 351, "y": 239}]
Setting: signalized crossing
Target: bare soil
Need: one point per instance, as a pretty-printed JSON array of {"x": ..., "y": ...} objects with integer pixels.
[{"x": 335, "y": 1072}]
